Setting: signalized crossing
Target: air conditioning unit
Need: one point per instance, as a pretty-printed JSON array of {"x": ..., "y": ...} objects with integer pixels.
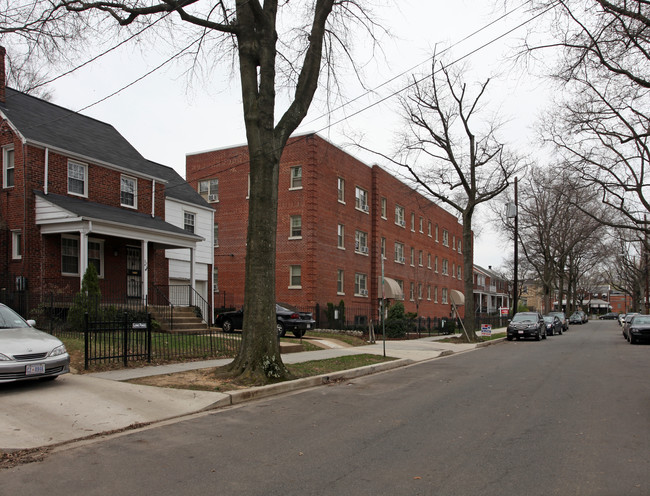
[
  {"x": 213, "y": 198},
  {"x": 366, "y": 208},
  {"x": 402, "y": 223},
  {"x": 364, "y": 292},
  {"x": 364, "y": 249},
  {"x": 401, "y": 260}
]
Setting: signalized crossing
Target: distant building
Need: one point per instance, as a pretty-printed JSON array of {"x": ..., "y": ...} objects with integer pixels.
[
  {"x": 491, "y": 291},
  {"x": 337, "y": 218}
]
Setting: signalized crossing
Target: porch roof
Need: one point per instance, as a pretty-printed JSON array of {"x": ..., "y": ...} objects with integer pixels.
[{"x": 61, "y": 214}]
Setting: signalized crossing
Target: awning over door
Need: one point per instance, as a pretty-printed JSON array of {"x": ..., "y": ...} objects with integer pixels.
[{"x": 392, "y": 289}]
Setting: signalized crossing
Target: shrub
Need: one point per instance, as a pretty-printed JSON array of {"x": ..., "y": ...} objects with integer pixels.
[{"x": 86, "y": 300}]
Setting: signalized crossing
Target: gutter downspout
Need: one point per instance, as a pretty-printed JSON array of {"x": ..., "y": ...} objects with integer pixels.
[
  {"x": 46, "y": 178},
  {"x": 153, "y": 198}
]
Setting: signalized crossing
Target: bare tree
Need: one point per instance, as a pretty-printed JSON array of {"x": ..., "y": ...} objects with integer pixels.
[
  {"x": 271, "y": 53},
  {"x": 452, "y": 155}
]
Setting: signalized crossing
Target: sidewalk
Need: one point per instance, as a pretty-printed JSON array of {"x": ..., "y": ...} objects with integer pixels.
[{"x": 77, "y": 406}]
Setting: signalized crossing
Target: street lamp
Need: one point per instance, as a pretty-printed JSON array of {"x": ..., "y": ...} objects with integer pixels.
[{"x": 511, "y": 213}]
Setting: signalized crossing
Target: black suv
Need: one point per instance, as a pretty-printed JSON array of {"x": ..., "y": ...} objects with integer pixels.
[{"x": 526, "y": 325}]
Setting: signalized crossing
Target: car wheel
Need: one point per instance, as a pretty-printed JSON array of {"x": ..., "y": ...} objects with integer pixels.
[
  {"x": 550, "y": 333},
  {"x": 299, "y": 332},
  {"x": 538, "y": 336},
  {"x": 226, "y": 326},
  {"x": 632, "y": 340},
  {"x": 560, "y": 331},
  {"x": 281, "y": 329},
  {"x": 509, "y": 338},
  {"x": 544, "y": 335}
]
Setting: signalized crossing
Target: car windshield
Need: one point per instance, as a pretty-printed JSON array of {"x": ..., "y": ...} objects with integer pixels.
[
  {"x": 641, "y": 319},
  {"x": 560, "y": 315},
  {"x": 548, "y": 318},
  {"x": 10, "y": 319},
  {"x": 523, "y": 317}
]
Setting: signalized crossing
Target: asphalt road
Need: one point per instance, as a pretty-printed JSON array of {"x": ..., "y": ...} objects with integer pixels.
[{"x": 565, "y": 416}]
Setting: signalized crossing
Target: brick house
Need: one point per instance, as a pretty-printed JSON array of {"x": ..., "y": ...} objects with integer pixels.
[
  {"x": 75, "y": 192},
  {"x": 336, "y": 217},
  {"x": 491, "y": 291}
]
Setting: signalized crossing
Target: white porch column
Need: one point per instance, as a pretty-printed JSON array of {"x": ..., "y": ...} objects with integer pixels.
[
  {"x": 145, "y": 269},
  {"x": 192, "y": 275},
  {"x": 83, "y": 254}
]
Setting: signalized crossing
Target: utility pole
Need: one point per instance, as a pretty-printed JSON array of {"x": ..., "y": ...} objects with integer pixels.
[{"x": 513, "y": 213}]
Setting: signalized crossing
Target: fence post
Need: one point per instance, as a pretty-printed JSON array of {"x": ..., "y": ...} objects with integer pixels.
[
  {"x": 86, "y": 344},
  {"x": 317, "y": 315},
  {"x": 125, "y": 338},
  {"x": 148, "y": 338}
]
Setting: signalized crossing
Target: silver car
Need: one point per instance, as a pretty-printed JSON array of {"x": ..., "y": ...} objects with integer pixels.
[{"x": 27, "y": 353}]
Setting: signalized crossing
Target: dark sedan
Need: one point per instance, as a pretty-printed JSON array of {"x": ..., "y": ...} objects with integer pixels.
[
  {"x": 526, "y": 325},
  {"x": 288, "y": 318},
  {"x": 575, "y": 318},
  {"x": 638, "y": 329},
  {"x": 609, "y": 316},
  {"x": 553, "y": 325}
]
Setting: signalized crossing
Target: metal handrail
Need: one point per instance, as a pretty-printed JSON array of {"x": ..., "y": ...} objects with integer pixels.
[{"x": 165, "y": 310}]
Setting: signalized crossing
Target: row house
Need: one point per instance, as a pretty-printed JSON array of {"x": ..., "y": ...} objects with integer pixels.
[
  {"x": 75, "y": 192},
  {"x": 341, "y": 223},
  {"x": 491, "y": 291}
]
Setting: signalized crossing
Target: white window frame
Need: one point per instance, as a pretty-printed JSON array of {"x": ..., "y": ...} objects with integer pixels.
[
  {"x": 361, "y": 284},
  {"x": 209, "y": 189},
  {"x": 436, "y": 230},
  {"x": 215, "y": 234},
  {"x": 445, "y": 294},
  {"x": 295, "y": 179},
  {"x": 399, "y": 252},
  {"x": 215, "y": 279},
  {"x": 133, "y": 180},
  {"x": 340, "y": 280},
  {"x": 412, "y": 221},
  {"x": 361, "y": 242},
  {"x": 100, "y": 242},
  {"x": 295, "y": 271},
  {"x": 77, "y": 256},
  {"x": 428, "y": 292},
  {"x": 8, "y": 151},
  {"x": 453, "y": 270},
  {"x": 428, "y": 260},
  {"x": 16, "y": 244},
  {"x": 412, "y": 256},
  {"x": 412, "y": 291},
  {"x": 102, "y": 258},
  {"x": 383, "y": 248},
  {"x": 295, "y": 223},
  {"x": 460, "y": 247},
  {"x": 84, "y": 167},
  {"x": 186, "y": 216},
  {"x": 361, "y": 199},
  {"x": 400, "y": 216},
  {"x": 435, "y": 264},
  {"x": 384, "y": 208},
  {"x": 435, "y": 294},
  {"x": 445, "y": 267},
  {"x": 340, "y": 186},
  {"x": 429, "y": 228},
  {"x": 421, "y": 225},
  {"x": 459, "y": 272},
  {"x": 340, "y": 237},
  {"x": 445, "y": 237},
  {"x": 420, "y": 258}
]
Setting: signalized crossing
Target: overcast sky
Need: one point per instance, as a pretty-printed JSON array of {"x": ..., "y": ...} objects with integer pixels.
[{"x": 165, "y": 117}]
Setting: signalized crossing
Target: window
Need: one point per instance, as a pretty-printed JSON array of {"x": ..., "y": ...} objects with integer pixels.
[
  {"x": 399, "y": 252},
  {"x": 444, "y": 296},
  {"x": 16, "y": 245},
  {"x": 459, "y": 272},
  {"x": 383, "y": 208},
  {"x": 420, "y": 258},
  {"x": 339, "y": 282},
  {"x": 435, "y": 264},
  {"x": 419, "y": 291},
  {"x": 421, "y": 225},
  {"x": 412, "y": 291},
  {"x": 296, "y": 227},
  {"x": 77, "y": 184},
  {"x": 188, "y": 222},
  {"x": 294, "y": 276},
  {"x": 453, "y": 270},
  {"x": 435, "y": 294},
  {"x": 445, "y": 267},
  {"x": 215, "y": 240},
  {"x": 428, "y": 260},
  {"x": 296, "y": 178},
  {"x": 412, "y": 222},
  {"x": 453, "y": 242},
  {"x": 341, "y": 189},
  {"x": 412, "y": 257},
  {"x": 428, "y": 292},
  {"x": 69, "y": 255},
  {"x": 8, "y": 166},
  {"x": 215, "y": 280},
  {"x": 400, "y": 283},
  {"x": 445, "y": 237},
  {"x": 128, "y": 191},
  {"x": 209, "y": 190},
  {"x": 459, "y": 248},
  {"x": 248, "y": 191},
  {"x": 96, "y": 255},
  {"x": 399, "y": 216},
  {"x": 361, "y": 242},
  {"x": 341, "y": 237},
  {"x": 383, "y": 248},
  {"x": 429, "y": 228},
  {"x": 361, "y": 199},
  {"x": 360, "y": 284}
]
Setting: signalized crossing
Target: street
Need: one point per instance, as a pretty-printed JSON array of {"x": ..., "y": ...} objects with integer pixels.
[{"x": 566, "y": 416}]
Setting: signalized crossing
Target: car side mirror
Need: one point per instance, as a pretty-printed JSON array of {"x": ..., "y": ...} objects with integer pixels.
[{"x": 31, "y": 323}]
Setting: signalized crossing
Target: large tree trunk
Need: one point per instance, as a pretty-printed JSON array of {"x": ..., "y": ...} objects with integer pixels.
[{"x": 468, "y": 276}]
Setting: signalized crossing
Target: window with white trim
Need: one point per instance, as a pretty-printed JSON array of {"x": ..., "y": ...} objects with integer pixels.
[
  {"x": 445, "y": 237},
  {"x": 360, "y": 284},
  {"x": 453, "y": 242},
  {"x": 412, "y": 291},
  {"x": 296, "y": 177},
  {"x": 341, "y": 189},
  {"x": 295, "y": 281},
  {"x": 445, "y": 267},
  {"x": 445, "y": 291},
  {"x": 96, "y": 255},
  {"x": 209, "y": 190},
  {"x": 361, "y": 199},
  {"x": 77, "y": 178},
  {"x": 400, "y": 283},
  {"x": 383, "y": 248},
  {"x": 459, "y": 273},
  {"x": 399, "y": 216},
  {"x": 412, "y": 257},
  {"x": 453, "y": 270},
  {"x": 361, "y": 242},
  {"x": 428, "y": 292},
  {"x": 215, "y": 280},
  {"x": 339, "y": 282},
  {"x": 436, "y": 233},
  {"x": 419, "y": 291},
  {"x": 341, "y": 237},
  {"x": 428, "y": 260},
  {"x": 128, "y": 191},
  {"x": 435, "y": 294},
  {"x": 429, "y": 228},
  {"x": 16, "y": 245},
  {"x": 420, "y": 258},
  {"x": 384, "y": 208},
  {"x": 421, "y": 225},
  {"x": 412, "y": 221},
  {"x": 215, "y": 235},
  {"x": 69, "y": 255},
  {"x": 399, "y": 252},
  {"x": 188, "y": 221},
  {"x": 296, "y": 227},
  {"x": 435, "y": 264},
  {"x": 459, "y": 247},
  {"x": 8, "y": 166}
]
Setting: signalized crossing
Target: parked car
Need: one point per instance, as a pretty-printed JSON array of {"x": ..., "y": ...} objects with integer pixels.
[
  {"x": 526, "y": 325},
  {"x": 585, "y": 317},
  {"x": 609, "y": 316},
  {"x": 553, "y": 325},
  {"x": 621, "y": 318},
  {"x": 575, "y": 318},
  {"x": 563, "y": 318},
  {"x": 27, "y": 353},
  {"x": 638, "y": 329},
  {"x": 626, "y": 321},
  {"x": 288, "y": 318}
]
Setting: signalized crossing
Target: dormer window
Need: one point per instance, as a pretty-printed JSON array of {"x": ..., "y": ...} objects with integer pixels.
[
  {"x": 77, "y": 179},
  {"x": 128, "y": 191}
]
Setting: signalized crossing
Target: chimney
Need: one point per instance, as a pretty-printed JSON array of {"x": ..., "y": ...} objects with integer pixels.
[
  {"x": 490, "y": 267},
  {"x": 2, "y": 74}
]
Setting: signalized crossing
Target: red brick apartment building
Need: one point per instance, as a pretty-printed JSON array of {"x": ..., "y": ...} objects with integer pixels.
[{"x": 336, "y": 216}]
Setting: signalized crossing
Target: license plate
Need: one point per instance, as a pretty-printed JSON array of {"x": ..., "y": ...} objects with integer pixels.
[
  {"x": 521, "y": 332},
  {"x": 308, "y": 326},
  {"x": 35, "y": 369}
]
